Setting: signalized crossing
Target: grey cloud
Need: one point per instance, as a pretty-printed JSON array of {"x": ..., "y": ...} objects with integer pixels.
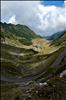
[{"x": 43, "y": 20}]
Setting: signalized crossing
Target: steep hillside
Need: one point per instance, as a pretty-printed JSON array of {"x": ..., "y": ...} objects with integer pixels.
[
  {"x": 60, "y": 41},
  {"x": 19, "y": 33},
  {"x": 56, "y": 35}
]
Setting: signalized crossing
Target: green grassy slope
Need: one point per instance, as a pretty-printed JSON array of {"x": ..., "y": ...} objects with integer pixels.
[
  {"x": 17, "y": 32},
  {"x": 60, "y": 41},
  {"x": 26, "y": 62}
]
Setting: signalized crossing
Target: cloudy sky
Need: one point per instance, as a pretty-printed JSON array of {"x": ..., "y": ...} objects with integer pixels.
[{"x": 44, "y": 17}]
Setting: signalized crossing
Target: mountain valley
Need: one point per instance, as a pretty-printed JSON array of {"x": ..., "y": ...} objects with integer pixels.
[{"x": 31, "y": 66}]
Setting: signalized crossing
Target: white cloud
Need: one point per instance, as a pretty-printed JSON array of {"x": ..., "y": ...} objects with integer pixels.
[
  {"x": 44, "y": 20},
  {"x": 12, "y": 20},
  {"x": 52, "y": 19},
  {"x": 65, "y": 3}
]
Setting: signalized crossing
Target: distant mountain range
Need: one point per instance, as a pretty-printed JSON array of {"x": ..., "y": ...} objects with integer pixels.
[
  {"x": 56, "y": 35},
  {"x": 25, "y": 32}
]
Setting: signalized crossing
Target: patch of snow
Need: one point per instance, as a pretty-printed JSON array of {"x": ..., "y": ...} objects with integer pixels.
[
  {"x": 45, "y": 83},
  {"x": 63, "y": 73}
]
